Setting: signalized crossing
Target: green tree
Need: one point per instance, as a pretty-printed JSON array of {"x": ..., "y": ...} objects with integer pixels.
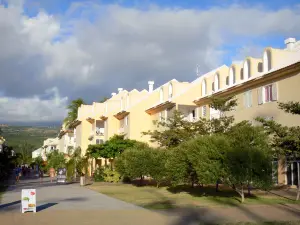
[
  {"x": 176, "y": 130},
  {"x": 224, "y": 122},
  {"x": 111, "y": 148},
  {"x": 73, "y": 111},
  {"x": 134, "y": 163},
  {"x": 285, "y": 140},
  {"x": 249, "y": 160},
  {"x": 179, "y": 168},
  {"x": 25, "y": 149},
  {"x": 38, "y": 161},
  {"x": 55, "y": 159},
  {"x": 207, "y": 157}
]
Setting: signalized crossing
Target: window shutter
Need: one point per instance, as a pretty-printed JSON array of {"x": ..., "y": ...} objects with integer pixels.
[
  {"x": 250, "y": 98},
  {"x": 274, "y": 92},
  {"x": 259, "y": 94},
  {"x": 245, "y": 100}
]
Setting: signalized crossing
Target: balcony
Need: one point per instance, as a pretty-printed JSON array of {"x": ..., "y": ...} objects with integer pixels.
[
  {"x": 121, "y": 130},
  {"x": 99, "y": 131}
]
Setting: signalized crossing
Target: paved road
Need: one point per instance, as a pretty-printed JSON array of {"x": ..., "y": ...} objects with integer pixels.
[
  {"x": 72, "y": 204},
  {"x": 52, "y": 196}
]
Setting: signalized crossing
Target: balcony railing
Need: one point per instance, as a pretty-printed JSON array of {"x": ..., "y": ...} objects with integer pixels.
[
  {"x": 121, "y": 130},
  {"x": 99, "y": 131}
]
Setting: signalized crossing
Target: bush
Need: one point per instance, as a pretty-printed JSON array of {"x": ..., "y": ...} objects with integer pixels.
[
  {"x": 111, "y": 176},
  {"x": 134, "y": 162},
  {"x": 99, "y": 174}
]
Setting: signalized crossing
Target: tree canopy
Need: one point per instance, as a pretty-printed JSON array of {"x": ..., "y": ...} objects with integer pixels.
[
  {"x": 111, "y": 148},
  {"x": 73, "y": 111}
]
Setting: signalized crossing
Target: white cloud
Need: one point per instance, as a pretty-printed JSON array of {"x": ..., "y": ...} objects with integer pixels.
[
  {"x": 33, "y": 109},
  {"x": 121, "y": 47}
]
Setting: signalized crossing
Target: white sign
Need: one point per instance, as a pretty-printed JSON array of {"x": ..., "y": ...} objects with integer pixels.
[{"x": 28, "y": 200}]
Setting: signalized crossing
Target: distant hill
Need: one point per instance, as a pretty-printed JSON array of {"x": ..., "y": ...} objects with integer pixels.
[{"x": 35, "y": 135}]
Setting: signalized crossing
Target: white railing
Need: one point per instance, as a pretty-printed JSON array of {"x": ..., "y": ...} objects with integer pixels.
[
  {"x": 121, "y": 130},
  {"x": 99, "y": 131}
]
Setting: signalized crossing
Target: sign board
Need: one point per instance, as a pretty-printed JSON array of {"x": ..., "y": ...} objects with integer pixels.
[
  {"x": 61, "y": 175},
  {"x": 28, "y": 200}
]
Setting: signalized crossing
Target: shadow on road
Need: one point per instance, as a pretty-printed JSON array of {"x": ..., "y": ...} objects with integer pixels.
[
  {"x": 45, "y": 206},
  {"x": 9, "y": 204}
]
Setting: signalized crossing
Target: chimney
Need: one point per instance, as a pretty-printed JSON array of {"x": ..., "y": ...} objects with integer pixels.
[
  {"x": 120, "y": 89},
  {"x": 150, "y": 83},
  {"x": 113, "y": 94},
  {"x": 290, "y": 42}
]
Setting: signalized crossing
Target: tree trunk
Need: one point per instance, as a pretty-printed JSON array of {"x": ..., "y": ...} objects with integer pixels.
[
  {"x": 241, "y": 193},
  {"x": 217, "y": 186},
  {"x": 298, "y": 192},
  {"x": 141, "y": 181},
  {"x": 249, "y": 189}
]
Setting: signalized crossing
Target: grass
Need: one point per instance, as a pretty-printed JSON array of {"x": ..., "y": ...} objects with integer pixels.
[
  {"x": 166, "y": 198},
  {"x": 266, "y": 223}
]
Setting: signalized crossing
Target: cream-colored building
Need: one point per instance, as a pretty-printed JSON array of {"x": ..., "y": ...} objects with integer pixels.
[{"x": 257, "y": 83}]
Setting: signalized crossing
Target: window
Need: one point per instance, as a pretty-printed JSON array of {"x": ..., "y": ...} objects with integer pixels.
[
  {"x": 248, "y": 99},
  {"x": 267, "y": 93},
  {"x": 260, "y": 67},
  {"x": 127, "y": 101},
  {"x": 242, "y": 74},
  {"x": 213, "y": 86},
  {"x": 232, "y": 76},
  {"x": 161, "y": 117},
  {"x": 217, "y": 82},
  {"x": 121, "y": 103},
  {"x": 227, "y": 80},
  {"x": 204, "y": 91},
  {"x": 204, "y": 111},
  {"x": 99, "y": 141},
  {"x": 246, "y": 69},
  {"x": 161, "y": 95},
  {"x": 267, "y": 61},
  {"x": 194, "y": 113},
  {"x": 126, "y": 120},
  {"x": 170, "y": 91},
  {"x": 166, "y": 115}
]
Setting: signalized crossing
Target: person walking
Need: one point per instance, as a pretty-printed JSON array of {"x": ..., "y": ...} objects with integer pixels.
[
  {"x": 17, "y": 174},
  {"x": 51, "y": 174},
  {"x": 41, "y": 176}
]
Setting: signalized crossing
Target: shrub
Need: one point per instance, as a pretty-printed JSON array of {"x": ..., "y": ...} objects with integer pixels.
[
  {"x": 111, "y": 176},
  {"x": 99, "y": 174}
]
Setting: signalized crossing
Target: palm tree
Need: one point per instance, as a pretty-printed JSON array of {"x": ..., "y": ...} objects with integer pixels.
[{"x": 73, "y": 111}]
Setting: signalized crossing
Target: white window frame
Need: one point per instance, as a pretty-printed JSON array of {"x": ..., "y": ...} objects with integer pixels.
[
  {"x": 170, "y": 93},
  {"x": 161, "y": 95},
  {"x": 248, "y": 99},
  {"x": 127, "y": 101},
  {"x": 160, "y": 115},
  {"x": 203, "y": 87},
  {"x": 204, "y": 111},
  {"x": 126, "y": 120},
  {"x": 217, "y": 82},
  {"x": 274, "y": 93},
  {"x": 166, "y": 115},
  {"x": 246, "y": 70},
  {"x": 232, "y": 78},
  {"x": 267, "y": 61}
]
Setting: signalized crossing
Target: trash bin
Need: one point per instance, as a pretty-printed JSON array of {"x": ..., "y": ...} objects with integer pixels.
[{"x": 82, "y": 180}]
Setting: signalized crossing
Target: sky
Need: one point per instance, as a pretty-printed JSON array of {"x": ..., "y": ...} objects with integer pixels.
[{"x": 52, "y": 52}]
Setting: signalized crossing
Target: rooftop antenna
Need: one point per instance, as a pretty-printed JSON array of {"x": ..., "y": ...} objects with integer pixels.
[{"x": 197, "y": 70}]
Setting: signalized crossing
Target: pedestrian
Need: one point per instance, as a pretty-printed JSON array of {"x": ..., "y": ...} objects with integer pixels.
[
  {"x": 17, "y": 174},
  {"x": 51, "y": 174},
  {"x": 41, "y": 175}
]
